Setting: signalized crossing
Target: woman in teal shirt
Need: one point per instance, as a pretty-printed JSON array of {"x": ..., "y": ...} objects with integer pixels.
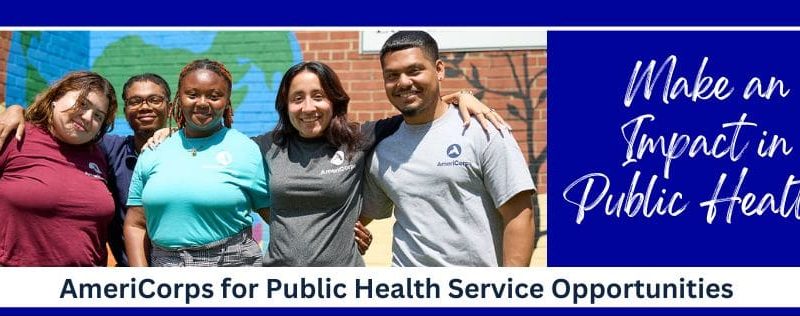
[{"x": 193, "y": 195}]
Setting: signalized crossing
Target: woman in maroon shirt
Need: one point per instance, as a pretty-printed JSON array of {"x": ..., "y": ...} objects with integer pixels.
[{"x": 54, "y": 203}]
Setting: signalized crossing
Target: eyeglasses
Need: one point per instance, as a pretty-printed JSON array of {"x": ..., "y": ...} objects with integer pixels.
[{"x": 153, "y": 100}]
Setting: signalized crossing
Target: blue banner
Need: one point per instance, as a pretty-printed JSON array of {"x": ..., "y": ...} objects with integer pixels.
[{"x": 673, "y": 148}]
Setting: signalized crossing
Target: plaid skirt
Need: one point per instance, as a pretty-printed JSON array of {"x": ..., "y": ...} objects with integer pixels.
[{"x": 239, "y": 250}]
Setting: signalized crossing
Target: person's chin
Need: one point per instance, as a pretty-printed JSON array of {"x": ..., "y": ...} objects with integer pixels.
[
  {"x": 411, "y": 110},
  {"x": 76, "y": 140},
  {"x": 147, "y": 130}
]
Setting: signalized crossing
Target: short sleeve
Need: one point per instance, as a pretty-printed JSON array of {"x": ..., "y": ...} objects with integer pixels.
[
  {"x": 376, "y": 131},
  {"x": 140, "y": 175},
  {"x": 263, "y": 142},
  {"x": 259, "y": 191},
  {"x": 376, "y": 204},
  {"x": 504, "y": 169}
]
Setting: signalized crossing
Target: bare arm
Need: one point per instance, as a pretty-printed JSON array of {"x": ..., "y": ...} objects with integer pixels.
[
  {"x": 136, "y": 240},
  {"x": 12, "y": 119},
  {"x": 519, "y": 230}
]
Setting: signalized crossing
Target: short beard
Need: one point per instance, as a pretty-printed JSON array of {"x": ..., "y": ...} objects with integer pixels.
[{"x": 411, "y": 111}]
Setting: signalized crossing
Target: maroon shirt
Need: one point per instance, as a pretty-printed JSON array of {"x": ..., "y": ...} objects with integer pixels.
[{"x": 55, "y": 207}]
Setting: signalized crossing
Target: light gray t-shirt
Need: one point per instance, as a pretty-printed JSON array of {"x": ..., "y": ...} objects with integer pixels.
[
  {"x": 446, "y": 184},
  {"x": 316, "y": 198}
]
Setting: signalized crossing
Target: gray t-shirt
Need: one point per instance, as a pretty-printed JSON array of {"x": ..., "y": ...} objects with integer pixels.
[
  {"x": 446, "y": 184},
  {"x": 316, "y": 198}
]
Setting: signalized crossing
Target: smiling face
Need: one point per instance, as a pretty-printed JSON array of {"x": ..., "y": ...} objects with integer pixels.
[
  {"x": 203, "y": 97},
  {"x": 412, "y": 81},
  {"x": 145, "y": 107},
  {"x": 310, "y": 110},
  {"x": 81, "y": 124}
]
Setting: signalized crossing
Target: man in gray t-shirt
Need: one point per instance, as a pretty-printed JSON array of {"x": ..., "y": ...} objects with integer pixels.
[{"x": 461, "y": 197}]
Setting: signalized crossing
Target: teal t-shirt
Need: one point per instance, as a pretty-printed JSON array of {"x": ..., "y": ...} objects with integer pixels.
[{"x": 195, "y": 199}]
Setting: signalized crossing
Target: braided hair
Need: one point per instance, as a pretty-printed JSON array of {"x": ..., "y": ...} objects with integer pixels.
[{"x": 214, "y": 66}]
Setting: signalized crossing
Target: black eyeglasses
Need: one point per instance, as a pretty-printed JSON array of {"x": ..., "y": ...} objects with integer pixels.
[{"x": 153, "y": 100}]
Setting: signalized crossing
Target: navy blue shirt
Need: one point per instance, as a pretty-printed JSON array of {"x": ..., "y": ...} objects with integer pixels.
[{"x": 121, "y": 156}]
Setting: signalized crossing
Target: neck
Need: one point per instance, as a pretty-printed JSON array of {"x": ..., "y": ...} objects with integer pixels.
[
  {"x": 194, "y": 133},
  {"x": 140, "y": 138},
  {"x": 430, "y": 114}
]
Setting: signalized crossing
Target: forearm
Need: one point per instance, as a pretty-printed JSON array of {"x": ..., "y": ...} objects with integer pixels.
[
  {"x": 136, "y": 240},
  {"x": 519, "y": 232}
]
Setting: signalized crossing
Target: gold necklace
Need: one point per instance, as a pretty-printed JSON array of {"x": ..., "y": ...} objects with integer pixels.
[{"x": 194, "y": 147}]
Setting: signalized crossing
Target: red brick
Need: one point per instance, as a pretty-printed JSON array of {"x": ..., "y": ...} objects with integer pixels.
[
  {"x": 358, "y": 75},
  {"x": 338, "y": 66},
  {"x": 360, "y": 96},
  {"x": 338, "y": 56},
  {"x": 541, "y": 114},
  {"x": 380, "y": 96},
  {"x": 312, "y": 36},
  {"x": 466, "y": 65},
  {"x": 366, "y": 65},
  {"x": 370, "y": 106},
  {"x": 355, "y": 55},
  {"x": 367, "y": 85},
  {"x": 329, "y": 45},
  {"x": 540, "y": 136},
  {"x": 344, "y": 35}
]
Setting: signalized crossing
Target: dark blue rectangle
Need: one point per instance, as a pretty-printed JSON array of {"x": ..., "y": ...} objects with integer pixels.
[
  {"x": 396, "y": 311},
  {"x": 387, "y": 13},
  {"x": 589, "y": 74}
]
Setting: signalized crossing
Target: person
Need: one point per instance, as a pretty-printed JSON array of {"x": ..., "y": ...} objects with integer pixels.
[
  {"x": 316, "y": 161},
  {"x": 145, "y": 97},
  {"x": 460, "y": 198},
  {"x": 54, "y": 205},
  {"x": 192, "y": 196}
]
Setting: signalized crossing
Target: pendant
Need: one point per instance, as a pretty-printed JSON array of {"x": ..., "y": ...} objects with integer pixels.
[{"x": 194, "y": 152}]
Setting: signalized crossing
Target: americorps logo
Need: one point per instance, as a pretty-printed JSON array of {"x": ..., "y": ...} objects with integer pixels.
[
  {"x": 338, "y": 158},
  {"x": 454, "y": 150},
  {"x": 224, "y": 158},
  {"x": 96, "y": 169}
]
